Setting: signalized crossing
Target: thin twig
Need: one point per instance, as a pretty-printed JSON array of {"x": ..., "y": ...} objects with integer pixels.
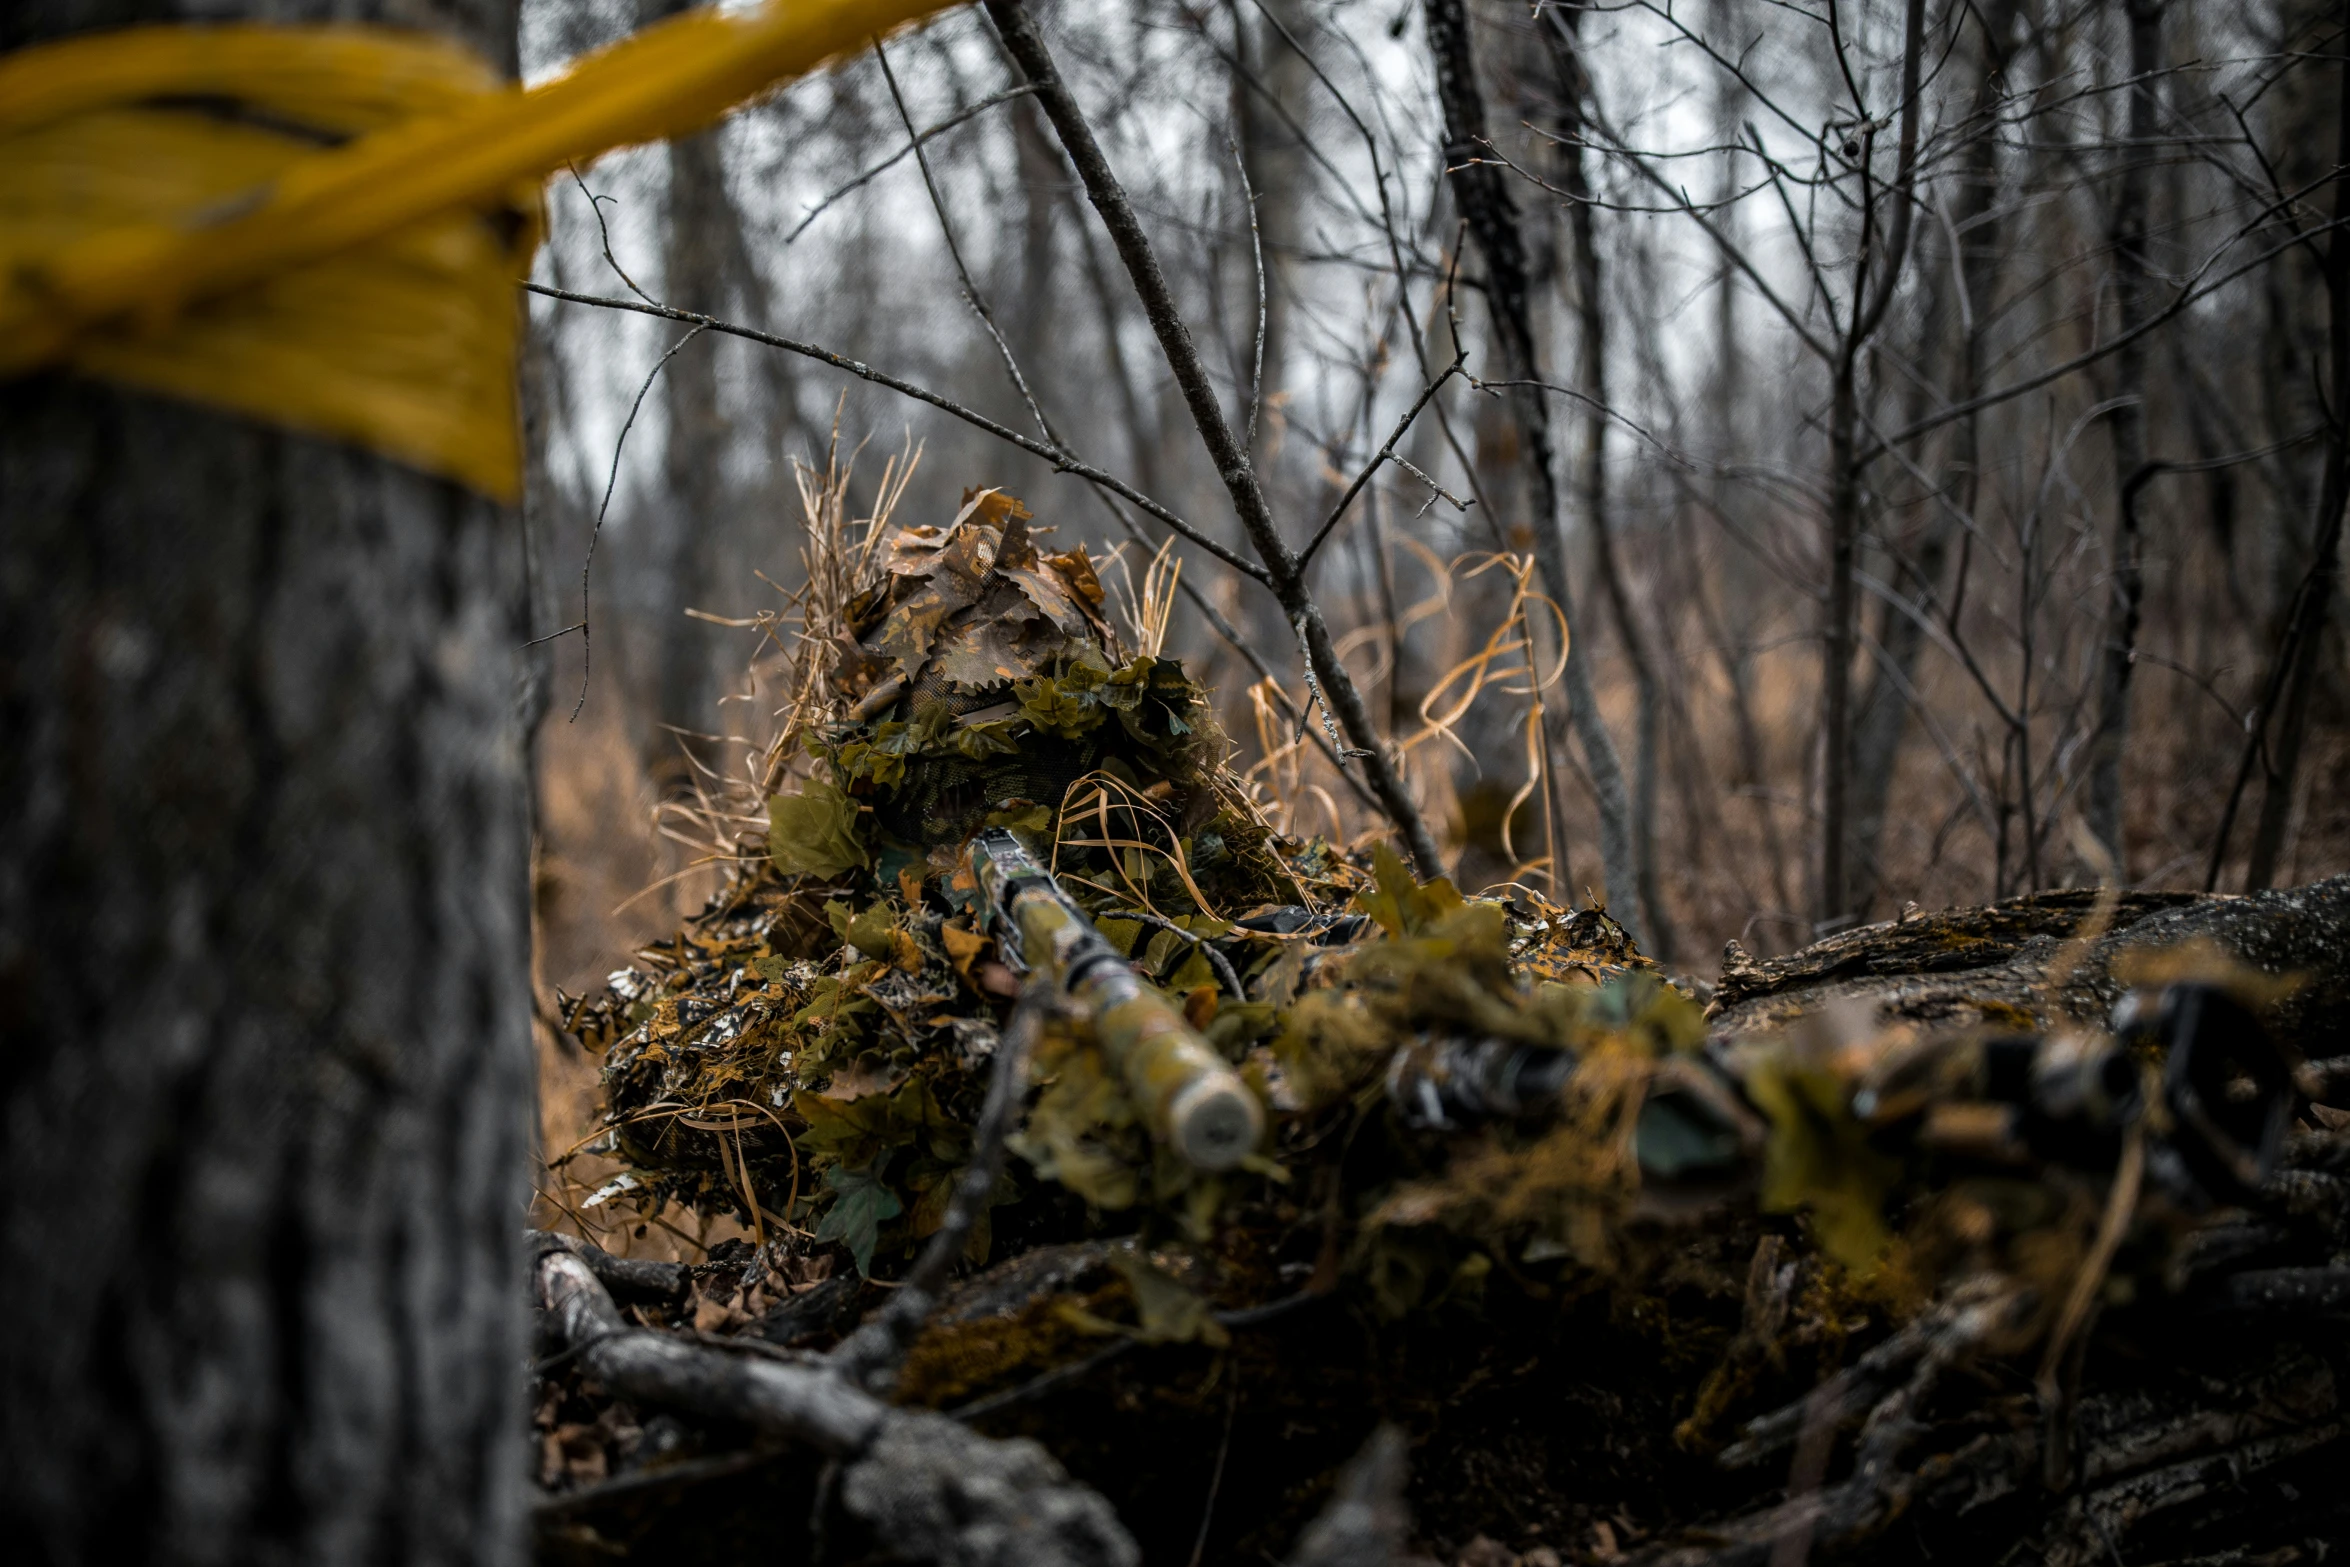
[
  {"x": 900, "y": 156},
  {"x": 1387, "y": 453},
  {"x": 946, "y": 228},
  {"x": 588, "y": 565},
  {"x": 1256, "y": 247},
  {"x": 1216, "y": 960},
  {"x": 1305, "y": 647},
  {"x": 604, "y": 234}
]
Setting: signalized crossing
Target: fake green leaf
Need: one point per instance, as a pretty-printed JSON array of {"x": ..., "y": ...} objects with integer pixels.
[
  {"x": 1818, "y": 1157},
  {"x": 1058, "y": 706},
  {"x": 937, "y": 1184},
  {"x": 861, "y": 1205},
  {"x": 978, "y": 742},
  {"x": 1402, "y": 905},
  {"x": 869, "y": 932},
  {"x": 1194, "y": 972},
  {"x": 1172, "y": 1313},
  {"x": 815, "y": 831},
  {"x": 1240, "y": 1024},
  {"x": 1083, "y": 1132},
  {"x": 858, "y": 1131}
]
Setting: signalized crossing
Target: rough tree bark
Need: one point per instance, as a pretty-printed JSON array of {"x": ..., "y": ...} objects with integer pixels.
[
  {"x": 263, "y": 977},
  {"x": 1493, "y": 224}
]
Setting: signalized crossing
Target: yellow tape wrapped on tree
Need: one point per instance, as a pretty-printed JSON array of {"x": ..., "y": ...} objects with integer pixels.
[{"x": 323, "y": 227}]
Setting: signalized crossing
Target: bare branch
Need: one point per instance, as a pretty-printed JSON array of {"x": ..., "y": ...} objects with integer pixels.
[
  {"x": 868, "y": 175},
  {"x": 1062, "y": 461},
  {"x": 1387, "y": 453}
]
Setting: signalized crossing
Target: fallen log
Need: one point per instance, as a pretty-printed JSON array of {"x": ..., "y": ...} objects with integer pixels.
[{"x": 2019, "y": 964}]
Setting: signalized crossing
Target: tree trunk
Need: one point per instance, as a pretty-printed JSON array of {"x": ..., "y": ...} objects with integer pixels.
[
  {"x": 2103, "y": 808},
  {"x": 1493, "y": 223},
  {"x": 2312, "y": 603},
  {"x": 1884, "y": 710},
  {"x": 1278, "y": 171},
  {"x": 694, "y": 491},
  {"x": 1840, "y": 633},
  {"x": 1571, "y": 86},
  {"x": 263, "y": 999},
  {"x": 705, "y": 266},
  {"x": 1880, "y": 719}
]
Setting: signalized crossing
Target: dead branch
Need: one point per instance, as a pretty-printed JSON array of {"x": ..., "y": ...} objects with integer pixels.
[
  {"x": 628, "y": 1278},
  {"x": 1939, "y": 968},
  {"x": 930, "y": 1489}
]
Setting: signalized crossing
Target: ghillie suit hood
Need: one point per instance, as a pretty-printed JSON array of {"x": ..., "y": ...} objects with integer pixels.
[{"x": 980, "y": 682}]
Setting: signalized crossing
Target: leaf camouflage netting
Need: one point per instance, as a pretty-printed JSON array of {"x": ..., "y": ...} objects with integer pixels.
[{"x": 1527, "y": 1164}]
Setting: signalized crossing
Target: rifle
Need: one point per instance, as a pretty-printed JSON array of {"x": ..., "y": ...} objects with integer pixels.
[
  {"x": 1191, "y": 1099},
  {"x": 2068, "y": 1097}
]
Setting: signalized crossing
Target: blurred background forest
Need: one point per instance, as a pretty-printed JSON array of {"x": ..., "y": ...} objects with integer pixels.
[{"x": 1933, "y": 400}]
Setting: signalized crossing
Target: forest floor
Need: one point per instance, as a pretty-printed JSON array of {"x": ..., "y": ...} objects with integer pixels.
[{"x": 1724, "y": 1389}]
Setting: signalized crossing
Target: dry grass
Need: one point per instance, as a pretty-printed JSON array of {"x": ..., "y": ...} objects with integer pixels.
[{"x": 620, "y": 863}]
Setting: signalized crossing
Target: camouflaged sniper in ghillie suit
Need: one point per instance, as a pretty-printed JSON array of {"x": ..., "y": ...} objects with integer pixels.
[{"x": 810, "y": 1051}]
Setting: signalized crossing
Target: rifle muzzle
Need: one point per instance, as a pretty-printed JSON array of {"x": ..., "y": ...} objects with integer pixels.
[{"x": 1190, "y": 1098}]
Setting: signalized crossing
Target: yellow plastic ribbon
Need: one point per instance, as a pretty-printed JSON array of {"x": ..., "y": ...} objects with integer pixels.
[{"x": 323, "y": 226}]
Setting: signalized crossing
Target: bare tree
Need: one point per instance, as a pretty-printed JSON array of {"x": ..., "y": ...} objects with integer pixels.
[
  {"x": 2293, "y": 672},
  {"x": 2103, "y": 807},
  {"x": 1491, "y": 215},
  {"x": 1885, "y": 713}
]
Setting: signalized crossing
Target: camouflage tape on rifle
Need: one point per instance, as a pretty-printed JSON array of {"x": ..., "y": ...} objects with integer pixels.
[{"x": 1190, "y": 1098}]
